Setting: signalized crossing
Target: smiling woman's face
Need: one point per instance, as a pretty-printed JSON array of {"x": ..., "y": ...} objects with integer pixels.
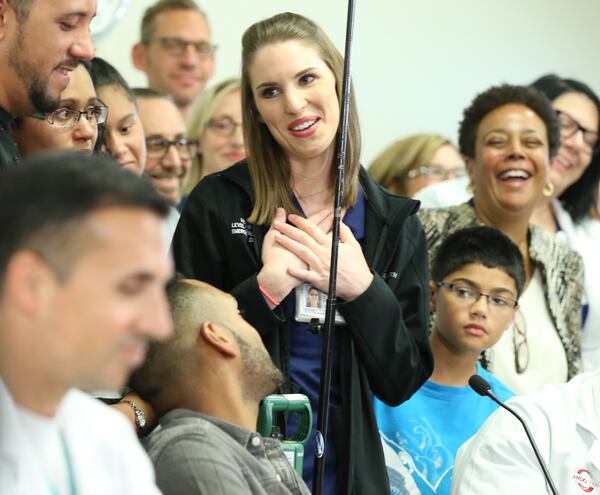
[
  {"x": 34, "y": 136},
  {"x": 222, "y": 142},
  {"x": 511, "y": 157},
  {"x": 123, "y": 134},
  {"x": 575, "y": 153},
  {"x": 295, "y": 95}
]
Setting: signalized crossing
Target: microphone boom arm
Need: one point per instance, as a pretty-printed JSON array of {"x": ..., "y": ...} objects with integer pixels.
[{"x": 553, "y": 489}]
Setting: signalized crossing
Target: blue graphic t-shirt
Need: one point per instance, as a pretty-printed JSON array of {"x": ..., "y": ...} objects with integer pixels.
[{"x": 420, "y": 437}]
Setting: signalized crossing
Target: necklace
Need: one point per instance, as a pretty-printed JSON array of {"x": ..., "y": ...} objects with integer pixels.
[{"x": 309, "y": 195}]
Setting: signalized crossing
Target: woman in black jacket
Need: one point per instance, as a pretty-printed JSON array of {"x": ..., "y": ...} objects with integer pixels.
[{"x": 261, "y": 231}]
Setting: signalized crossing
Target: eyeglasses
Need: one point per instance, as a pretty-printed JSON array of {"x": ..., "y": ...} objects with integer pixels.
[
  {"x": 520, "y": 348},
  {"x": 224, "y": 126},
  {"x": 178, "y": 46},
  {"x": 437, "y": 171},
  {"x": 569, "y": 127},
  {"x": 470, "y": 295},
  {"x": 65, "y": 117},
  {"x": 158, "y": 147}
]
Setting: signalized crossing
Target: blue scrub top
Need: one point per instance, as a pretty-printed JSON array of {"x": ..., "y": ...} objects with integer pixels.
[{"x": 305, "y": 365}]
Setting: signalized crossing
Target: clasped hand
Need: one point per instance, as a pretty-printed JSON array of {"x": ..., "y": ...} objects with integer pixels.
[{"x": 300, "y": 251}]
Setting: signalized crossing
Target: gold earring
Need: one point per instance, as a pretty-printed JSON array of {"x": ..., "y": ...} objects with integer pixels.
[
  {"x": 548, "y": 190},
  {"x": 471, "y": 189}
]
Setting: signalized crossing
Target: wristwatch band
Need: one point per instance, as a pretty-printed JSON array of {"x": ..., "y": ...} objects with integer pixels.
[{"x": 140, "y": 417}]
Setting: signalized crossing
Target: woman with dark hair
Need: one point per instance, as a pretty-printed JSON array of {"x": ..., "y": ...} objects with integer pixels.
[
  {"x": 123, "y": 135},
  {"x": 575, "y": 173},
  {"x": 261, "y": 231},
  {"x": 508, "y": 136},
  {"x": 575, "y": 170},
  {"x": 74, "y": 125}
]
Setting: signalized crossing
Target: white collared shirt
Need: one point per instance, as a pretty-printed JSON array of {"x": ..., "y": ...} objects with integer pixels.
[
  {"x": 104, "y": 453},
  {"x": 565, "y": 423}
]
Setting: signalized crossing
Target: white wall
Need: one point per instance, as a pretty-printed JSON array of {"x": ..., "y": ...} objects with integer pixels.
[{"x": 416, "y": 64}]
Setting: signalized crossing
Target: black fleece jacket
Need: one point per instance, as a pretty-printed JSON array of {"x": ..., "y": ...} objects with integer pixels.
[{"x": 384, "y": 349}]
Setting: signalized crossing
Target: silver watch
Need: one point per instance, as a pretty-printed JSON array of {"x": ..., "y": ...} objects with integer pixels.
[{"x": 140, "y": 417}]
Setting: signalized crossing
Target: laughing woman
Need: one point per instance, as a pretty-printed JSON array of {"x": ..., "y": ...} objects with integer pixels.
[
  {"x": 261, "y": 230},
  {"x": 508, "y": 136}
]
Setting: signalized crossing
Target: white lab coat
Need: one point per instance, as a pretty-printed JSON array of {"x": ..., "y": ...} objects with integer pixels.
[
  {"x": 106, "y": 455},
  {"x": 565, "y": 423}
]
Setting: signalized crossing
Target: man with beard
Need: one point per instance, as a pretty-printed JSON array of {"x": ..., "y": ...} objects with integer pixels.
[
  {"x": 176, "y": 51},
  {"x": 41, "y": 43},
  {"x": 169, "y": 153},
  {"x": 205, "y": 384}
]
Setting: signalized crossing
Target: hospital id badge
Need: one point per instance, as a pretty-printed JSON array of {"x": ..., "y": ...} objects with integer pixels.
[{"x": 311, "y": 304}]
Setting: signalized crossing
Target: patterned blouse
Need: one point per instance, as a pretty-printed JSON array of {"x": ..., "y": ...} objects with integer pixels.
[{"x": 561, "y": 269}]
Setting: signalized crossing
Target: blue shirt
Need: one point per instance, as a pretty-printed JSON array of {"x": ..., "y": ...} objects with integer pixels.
[
  {"x": 305, "y": 367},
  {"x": 420, "y": 437}
]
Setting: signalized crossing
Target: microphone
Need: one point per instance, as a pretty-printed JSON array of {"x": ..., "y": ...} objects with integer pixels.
[{"x": 483, "y": 388}]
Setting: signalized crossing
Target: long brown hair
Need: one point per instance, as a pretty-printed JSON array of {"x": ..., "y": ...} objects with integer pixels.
[{"x": 269, "y": 165}]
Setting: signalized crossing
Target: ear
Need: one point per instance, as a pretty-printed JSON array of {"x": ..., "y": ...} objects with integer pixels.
[
  {"x": 138, "y": 56},
  {"x": 470, "y": 165},
  {"x": 29, "y": 282},
  {"x": 218, "y": 338},
  {"x": 432, "y": 294},
  {"x": 4, "y": 12}
]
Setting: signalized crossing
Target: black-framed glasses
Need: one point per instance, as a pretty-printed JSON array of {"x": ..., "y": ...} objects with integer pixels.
[
  {"x": 225, "y": 126},
  {"x": 470, "y": 295},
  {"x": 569, "y": 127},
  {"x": 66, "y": 117},
  {"x": 158, "y": 147},
  {"x": 520, "y": 344},
  {"x": 437, "y": 171},
  {"x": 178, "y": 46}
]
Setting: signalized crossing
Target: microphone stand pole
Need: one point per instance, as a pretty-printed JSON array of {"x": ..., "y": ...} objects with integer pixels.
[{"x": 329, "y": 326}]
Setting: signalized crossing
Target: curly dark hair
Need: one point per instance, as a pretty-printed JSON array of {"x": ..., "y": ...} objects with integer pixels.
[{"x": 498, "y": 96}]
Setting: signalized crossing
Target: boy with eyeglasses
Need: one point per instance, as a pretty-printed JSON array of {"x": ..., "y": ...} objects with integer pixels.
[{"x": 477, "y": 278}]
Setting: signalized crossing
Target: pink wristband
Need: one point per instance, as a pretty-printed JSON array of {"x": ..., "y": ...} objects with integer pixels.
[{"x": 268, "y": 296}]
